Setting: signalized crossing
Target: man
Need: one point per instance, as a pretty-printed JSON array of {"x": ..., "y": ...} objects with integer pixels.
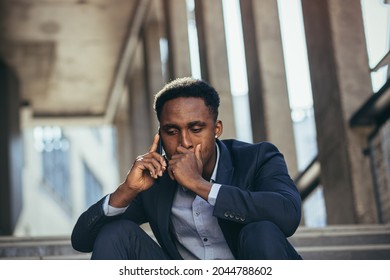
[{"x": 204, "y": 198}]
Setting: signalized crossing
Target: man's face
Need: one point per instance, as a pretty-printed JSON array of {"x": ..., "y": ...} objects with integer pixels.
[{"x": 187, "y": 121}]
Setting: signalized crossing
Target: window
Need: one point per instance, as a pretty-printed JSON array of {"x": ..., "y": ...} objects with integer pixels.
[
  {"x": 54, "y": 149},
  {"x": 93, "y": 188}
]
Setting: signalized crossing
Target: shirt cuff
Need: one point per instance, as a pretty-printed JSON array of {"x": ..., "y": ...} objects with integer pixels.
[
  {"x": 213, "y": 193},
  {"x": 110, "y": 210}
]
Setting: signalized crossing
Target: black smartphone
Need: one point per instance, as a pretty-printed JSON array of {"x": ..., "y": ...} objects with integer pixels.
[{"x": 160, "y": 148}]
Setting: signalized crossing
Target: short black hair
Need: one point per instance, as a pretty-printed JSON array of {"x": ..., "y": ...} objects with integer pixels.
[{"x": 187, "y": 87}]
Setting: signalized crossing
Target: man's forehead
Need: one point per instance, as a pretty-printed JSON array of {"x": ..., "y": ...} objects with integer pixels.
[
  {"x": 185, "y": 105},
  {"x": 183, "y": 111}
]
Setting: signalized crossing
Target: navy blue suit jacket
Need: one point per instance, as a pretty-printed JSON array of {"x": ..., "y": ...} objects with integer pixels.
[{"x": 255, "y": 187}]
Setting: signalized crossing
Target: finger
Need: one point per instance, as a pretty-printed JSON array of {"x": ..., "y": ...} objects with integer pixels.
[
  {"x": 146, "y": 167},
  {"x": 198, "y": 154},
  {"x": 181, "y": 150},
  {"x": 161, "y": 159},
  {"x": 159, "y": 164},
  {"x": 153, "y": 147},
  {"x": 151, "y": 165},
  {"x": 158, "y": 167},
  {"x": 171, "y": 174}
]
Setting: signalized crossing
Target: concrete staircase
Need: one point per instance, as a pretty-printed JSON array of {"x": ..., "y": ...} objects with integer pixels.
[
  {"x": 38, "y": 248},
  {"x": 346, "y": 242}
]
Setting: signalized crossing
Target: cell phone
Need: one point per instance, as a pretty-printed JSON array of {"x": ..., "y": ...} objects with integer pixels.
[{"x": 160, "y": 148}]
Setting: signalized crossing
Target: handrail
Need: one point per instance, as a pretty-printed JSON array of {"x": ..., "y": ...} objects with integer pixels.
[
  {"x": 309, "y": 179},
  {"x": 375, "y": 111},
  {"x": 383, "y": 62}
]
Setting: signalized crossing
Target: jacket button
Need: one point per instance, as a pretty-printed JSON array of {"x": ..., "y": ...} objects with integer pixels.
[{"x": 227, "y": 213}]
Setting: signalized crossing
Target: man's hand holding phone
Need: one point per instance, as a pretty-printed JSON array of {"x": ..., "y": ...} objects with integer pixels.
[{"x": 141, "y": 176}]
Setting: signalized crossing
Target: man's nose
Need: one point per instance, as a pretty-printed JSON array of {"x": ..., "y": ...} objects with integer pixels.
[{"x": 185, "y": 140}]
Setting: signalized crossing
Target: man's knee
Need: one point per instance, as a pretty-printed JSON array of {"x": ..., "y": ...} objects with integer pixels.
[
  {"x": 119, "y": 229},
  {"x": 262, "y": 231},
  {"x": 262, "y": 240},
  {"x": 115, "y": 237},
  {"x": 123, "y": 239}
]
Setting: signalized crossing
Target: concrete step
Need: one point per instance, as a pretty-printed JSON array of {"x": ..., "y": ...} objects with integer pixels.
[
  {"x": 352, "y": 252},
  {"x": 346, "y": 242},
  {"x": 349, "y": 242},
  {"x": 341, "y": 235},
  {"x": 38, "y": 248},
  {"x": 345, "y": 228}
]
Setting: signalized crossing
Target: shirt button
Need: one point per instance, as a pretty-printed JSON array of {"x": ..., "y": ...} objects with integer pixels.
[
  {"x": 205, "y": 239},
  {"x": 197, "y": 213}
]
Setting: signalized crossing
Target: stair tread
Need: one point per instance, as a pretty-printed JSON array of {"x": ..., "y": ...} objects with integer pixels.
[
  {"x": 18, "y": 239},
  {"x": 331, "y": 242},
  {"x": 344, "y": 247},
  {"x": 80, "y": 256},
  {"x": 34, "y": 243},
  {"x": 345, "y": 228}
]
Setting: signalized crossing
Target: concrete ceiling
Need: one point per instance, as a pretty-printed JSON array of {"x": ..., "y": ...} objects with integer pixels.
[{"x": 71, "y": 56}]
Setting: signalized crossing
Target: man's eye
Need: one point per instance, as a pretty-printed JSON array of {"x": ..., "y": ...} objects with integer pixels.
[
  {"x": 172, "y": 132},
  {"x": 196, "y": 130}
]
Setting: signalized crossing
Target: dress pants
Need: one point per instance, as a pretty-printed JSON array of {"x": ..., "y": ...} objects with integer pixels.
[
  {"x": 265, "y": 241},
  {"x": 123, "y": 239}
]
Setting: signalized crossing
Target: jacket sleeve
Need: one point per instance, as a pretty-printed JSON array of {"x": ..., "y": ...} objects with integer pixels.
[
  {"x": 87, "y": 227},
  {"x": 93, "y": 219},
  {"x": 263, "y": 191}
]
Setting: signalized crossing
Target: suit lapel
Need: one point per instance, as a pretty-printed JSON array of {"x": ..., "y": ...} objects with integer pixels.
[
  {"x": 166, "y": 192},
  {"x": 225, "y": 166},
  {"x": 224, "y": 177}
]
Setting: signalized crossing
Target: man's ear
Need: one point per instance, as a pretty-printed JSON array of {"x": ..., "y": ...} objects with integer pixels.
[{"x": 218, "y": 128}]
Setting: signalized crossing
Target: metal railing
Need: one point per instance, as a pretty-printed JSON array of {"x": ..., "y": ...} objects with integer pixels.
[{"x": 309, "y": 179}]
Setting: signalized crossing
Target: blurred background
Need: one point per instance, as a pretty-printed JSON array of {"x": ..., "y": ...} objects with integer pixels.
[{"x": 77, "y": 80}]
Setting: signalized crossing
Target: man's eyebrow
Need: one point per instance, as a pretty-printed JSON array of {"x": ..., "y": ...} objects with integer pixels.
[
  {"x": 168, "y": 126},
  {"x": 190, "y": 124},
  {"x": 196, "y": 123}
]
